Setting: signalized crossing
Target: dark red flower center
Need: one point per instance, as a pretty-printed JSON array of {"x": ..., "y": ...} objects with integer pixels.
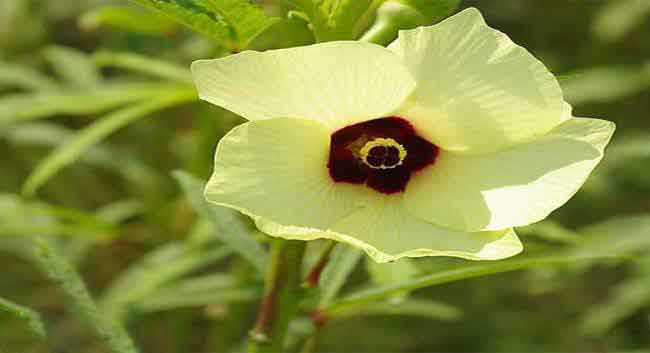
[{"x": 381, "y": 153}]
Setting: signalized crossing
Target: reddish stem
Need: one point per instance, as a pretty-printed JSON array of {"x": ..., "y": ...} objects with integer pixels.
[{"x": 315, "y": 272}]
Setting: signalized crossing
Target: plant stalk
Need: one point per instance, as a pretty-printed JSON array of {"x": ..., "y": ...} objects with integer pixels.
[
  {"x": 314, "y": 274},
  {"x": 391, "y": 17},
  {"x": 282, "y": 297}
]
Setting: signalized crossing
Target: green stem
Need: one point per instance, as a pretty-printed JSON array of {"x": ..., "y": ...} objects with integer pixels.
[
  {"x": 391, "y": 17},
  {"x": 282, "y": 297},
  {"x": 309, "y": 345}
]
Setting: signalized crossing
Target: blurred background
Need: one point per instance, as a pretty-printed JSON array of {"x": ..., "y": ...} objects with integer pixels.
[{"x": 97, "y": 110}]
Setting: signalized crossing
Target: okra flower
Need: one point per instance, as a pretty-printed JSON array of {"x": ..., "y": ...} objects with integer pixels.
[{"x": 437, "y": 145}]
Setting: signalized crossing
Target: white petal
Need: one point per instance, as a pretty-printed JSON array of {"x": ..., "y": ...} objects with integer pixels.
[
  {"x": 337, "y": 83},
  {"x": 387, "y": 232},
  {"x": 477, "y": 91},
  {"x": 513, "y": 187},
  {"x": 277, "y": 169}
]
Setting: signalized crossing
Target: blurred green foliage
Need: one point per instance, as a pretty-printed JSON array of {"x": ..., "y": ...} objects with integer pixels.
[{"x": 98, "y": 115}]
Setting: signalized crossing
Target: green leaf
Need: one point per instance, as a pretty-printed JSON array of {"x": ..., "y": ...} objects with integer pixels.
[
  {"x": 120, "y": 211},
  {"x": 199, "y": 291},
  {"x": 157, "y": 268},
  {"x": 95, "y": 132},
  {"x": 617, "y": 18},
  {"x": 342, "y": 261},
  {"x": 194, "y": 15},
  {"x": 32, "y": 318},
  {"x": 462, "y": 272},
  {"x": 29, "y": 106},
  {"x": 621, "y": 235},
  {"x": 20, "y": 76},
  {"x": 391, "y": 272},
  {"x": 126, "y": 19},
  {"x": 551, "y": 231},
  {"x": 57, "y": 268},
  {"x": 605, "y": 84},
  {"x": 626, "y": 149},
  {"x": 203, "y": 283},
  {"x": 46, "y": 134},
  {"x": 35, "y": 134},
  {"x": 409, "y": 307},
  {"x": 229, "y": 225},
  {"x": 246, "y": 19},
  {"x": 232, "y": 23},
  {"x": 73, "y": 66},
  {"x": 628, "y": 298},
  {"x": 168, "y": 300},
  {"x": 21, "y": 218},
  {"x": 145, "y": 65}
]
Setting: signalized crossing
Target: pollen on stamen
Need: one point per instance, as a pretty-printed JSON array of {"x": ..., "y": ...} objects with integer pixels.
[{"x": 380, "y": 153}]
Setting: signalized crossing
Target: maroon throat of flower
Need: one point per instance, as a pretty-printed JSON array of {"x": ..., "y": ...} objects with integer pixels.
[{"x": 381, "y": 153}]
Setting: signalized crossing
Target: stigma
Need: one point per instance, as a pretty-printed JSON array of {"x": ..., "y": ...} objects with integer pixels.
[{"x": 382, "y": 153}]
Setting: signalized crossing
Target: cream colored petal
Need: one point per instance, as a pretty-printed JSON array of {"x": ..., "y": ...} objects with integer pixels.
[
  {"x": 477, "y": 91},
  {"x": 277, "y": 169},
  {"x": 513, "y": 187},
  {"x": 387, "y": 232},
  {"x": 336, "y": 83}
]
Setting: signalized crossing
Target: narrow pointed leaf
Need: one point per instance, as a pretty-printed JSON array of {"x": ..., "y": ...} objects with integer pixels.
[
  {"x": 95, "y": 132},
  {"x": 605, "y": 84},
  {"x": 342, "y": 262},
  {"x": 145, "y": 65},
  {"x": 25, "y": 77},
  {"x": 410, "y": 307},
  {"x": 391, "y": 272},
  {"x": 628, "y": 298},
  {"x": 229, "y": 225},
  {"x": 19, "y": 217},
  {"x": 200, "y": 291},
  {"x": 384, "y": 273},
  {"x": 620, "y": 235},
  {"x": 59, "y": 270},
  {"x": 551, "y": 231},
  {"x": 16, "y": 108},
  {"x": 73, "y": 66},
  {"x": 462, "y": 272},
  {"x": 32, "y": 318},
  {"x": 617, "y": 18},
  {"x": 50, "y": 135},
  {"x": 159, "y": 267}
]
